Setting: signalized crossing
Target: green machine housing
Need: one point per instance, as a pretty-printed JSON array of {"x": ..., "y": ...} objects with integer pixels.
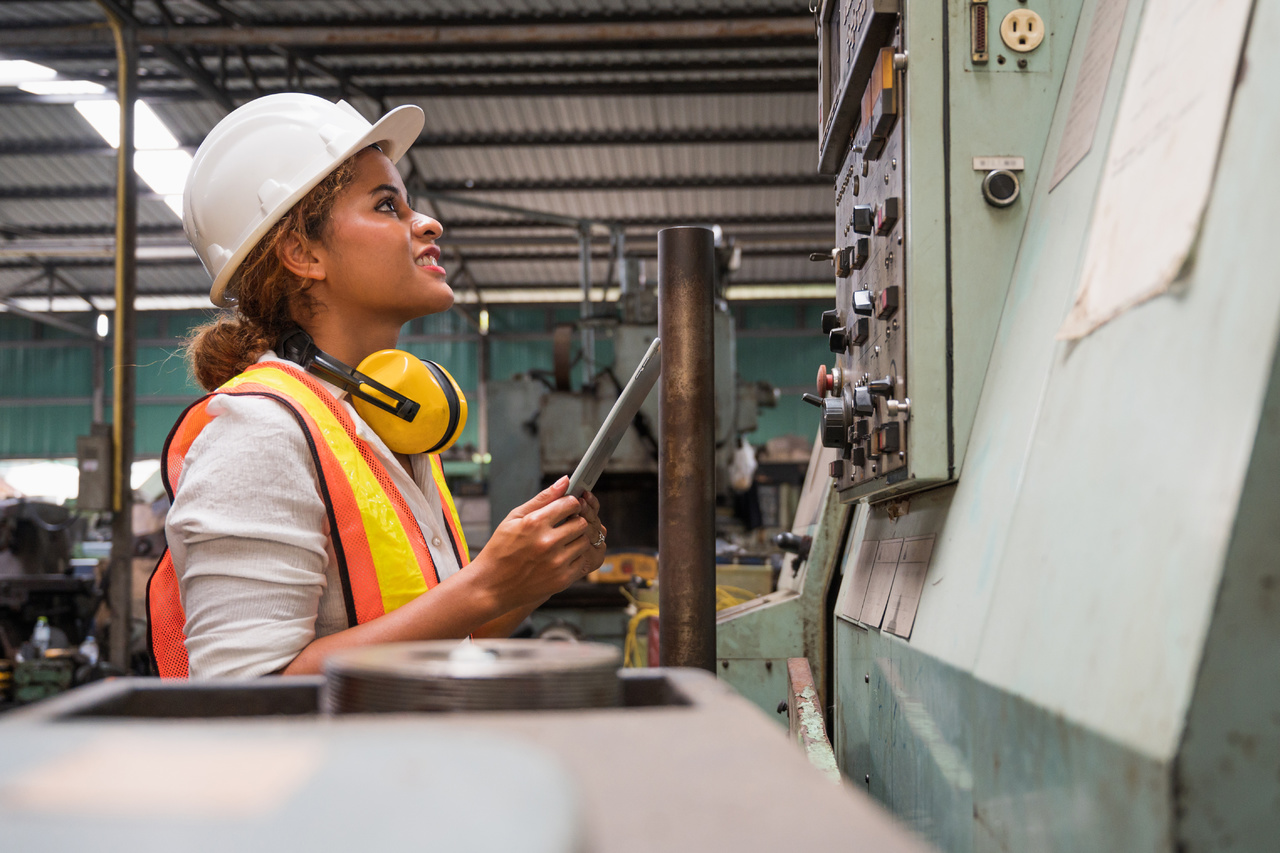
[
  {"x": 933, "y": 144},
  {"x": 1043, "y": 591}
]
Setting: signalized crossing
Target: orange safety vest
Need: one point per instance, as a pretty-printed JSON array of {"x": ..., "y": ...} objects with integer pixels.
[{"x": 382, "y": 556}]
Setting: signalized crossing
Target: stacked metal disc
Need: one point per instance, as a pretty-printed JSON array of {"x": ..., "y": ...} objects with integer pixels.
[{"x": 485, "y": 675}]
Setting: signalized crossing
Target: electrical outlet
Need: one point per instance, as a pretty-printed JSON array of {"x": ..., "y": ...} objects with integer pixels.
[{"x": 1022, "y": 30}]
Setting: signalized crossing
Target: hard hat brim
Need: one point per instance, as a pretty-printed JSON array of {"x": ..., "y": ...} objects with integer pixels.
[{"x": 394, "y": 134}]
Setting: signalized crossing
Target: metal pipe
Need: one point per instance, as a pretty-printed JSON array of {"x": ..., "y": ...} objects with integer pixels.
[
  {"x": 124, "y": 376},
  {"x": 588, "y": 332},
  {"x": 686, "y": 460},
  {"x": 625, "y": 284}
]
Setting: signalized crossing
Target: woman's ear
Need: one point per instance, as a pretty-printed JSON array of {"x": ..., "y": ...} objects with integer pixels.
[{"x": 299, "y": 259}]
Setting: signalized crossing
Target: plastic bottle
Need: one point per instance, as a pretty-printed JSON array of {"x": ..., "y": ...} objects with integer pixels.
[
  {"x": 40, "y": 636},
  {"x": 89, "y": 649}
]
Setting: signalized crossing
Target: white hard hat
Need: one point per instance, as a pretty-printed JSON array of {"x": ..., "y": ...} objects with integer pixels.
[{"x": 262, "y": 158}]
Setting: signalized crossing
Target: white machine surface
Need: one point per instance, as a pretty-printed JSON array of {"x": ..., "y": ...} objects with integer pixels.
[{"x": 686, "y": 764}]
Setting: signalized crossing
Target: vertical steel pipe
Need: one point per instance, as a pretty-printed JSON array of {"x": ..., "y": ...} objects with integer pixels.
[
  {"x": 588, "y": 331},
  {"x": 124, "y": 377},
  {"x": 686, "y": 461}
]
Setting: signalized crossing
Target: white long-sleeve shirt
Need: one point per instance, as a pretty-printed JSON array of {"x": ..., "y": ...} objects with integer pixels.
[{"x": 249, "y": 536}]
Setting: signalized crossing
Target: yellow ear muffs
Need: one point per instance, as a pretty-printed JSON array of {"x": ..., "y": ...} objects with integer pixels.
[{"x": 442, "y": 407}]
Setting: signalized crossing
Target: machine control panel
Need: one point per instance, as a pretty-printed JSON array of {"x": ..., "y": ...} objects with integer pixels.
[
  {"x": 867, "y": 332},
  {"x": 930, "y": 168}
]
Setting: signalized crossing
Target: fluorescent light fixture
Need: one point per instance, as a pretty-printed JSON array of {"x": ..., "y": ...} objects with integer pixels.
[
  {"x": 62, "y": 87},
  {"x": 149, "y": 131},
  {"x": 104, "y": 325},
  {"x": 15, "y": 71},
  {"x": 484, "y": 321},
  {"x": 164, "y": 171}
]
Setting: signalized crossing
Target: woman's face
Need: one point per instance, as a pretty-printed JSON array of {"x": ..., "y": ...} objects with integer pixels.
[{"x": 379, "y": 256}]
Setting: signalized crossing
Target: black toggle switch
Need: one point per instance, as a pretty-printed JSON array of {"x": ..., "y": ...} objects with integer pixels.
[
  {"x": 844, "y": 261},
  {"x": 863, "y": 218},
  {"x": 881, "y": 387},
  {"x": 822, "y": 256},
  {"x": 858, "y": 457},
  {"x": 861, "y": 429},
  {"x": 830, "y": 320},
  {"x": 863, "y": 303}
]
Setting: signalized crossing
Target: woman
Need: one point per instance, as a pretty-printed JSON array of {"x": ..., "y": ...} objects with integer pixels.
[{"x": 295, "y": 530}]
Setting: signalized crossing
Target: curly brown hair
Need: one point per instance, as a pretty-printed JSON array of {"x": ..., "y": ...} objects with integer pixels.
[{"x": 268, "y": 296}]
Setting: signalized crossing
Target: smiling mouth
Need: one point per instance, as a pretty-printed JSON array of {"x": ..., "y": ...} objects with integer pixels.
[{"x": 429, "y": 258}]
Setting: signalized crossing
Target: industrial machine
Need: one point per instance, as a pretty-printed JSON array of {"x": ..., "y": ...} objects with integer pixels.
[
  {"x": 1049, "y": 615},
  {"x": 512, "y": 745},
  {"x": 540, "y": 426}
]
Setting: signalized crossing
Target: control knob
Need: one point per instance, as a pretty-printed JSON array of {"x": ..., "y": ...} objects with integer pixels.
[
  {"x": 836, "y": 420},
  {"x": 863, "y": 303},
  {"x": 838, "y": 340},
  {"x": 830, "y": 320},
  {"x": 881, "y": 387}
]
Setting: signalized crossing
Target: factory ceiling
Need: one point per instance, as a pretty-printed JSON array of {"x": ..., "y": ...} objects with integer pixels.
[{"x": 540, "y": 114}]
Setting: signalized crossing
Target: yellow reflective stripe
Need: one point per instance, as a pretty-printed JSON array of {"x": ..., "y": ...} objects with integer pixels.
[
  {"x": 400, "y": 578},
  {"x": 437, "y": 471}
]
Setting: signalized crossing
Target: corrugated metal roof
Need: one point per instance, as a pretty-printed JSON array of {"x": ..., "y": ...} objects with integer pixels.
[{"x": 535, "y": 146}]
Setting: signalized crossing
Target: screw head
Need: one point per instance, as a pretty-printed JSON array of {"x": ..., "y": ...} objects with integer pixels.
[
  {"x": 1022, "y": 63},
  {"x": 867, "y": 678},
  {"x": 868, "y": 778}
]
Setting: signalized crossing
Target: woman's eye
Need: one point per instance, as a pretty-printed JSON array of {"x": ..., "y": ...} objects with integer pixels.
[{"x": 388, "y": 205}]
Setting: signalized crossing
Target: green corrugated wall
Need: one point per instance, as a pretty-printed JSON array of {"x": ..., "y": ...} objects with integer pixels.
[{"x": 46, "y": 383}]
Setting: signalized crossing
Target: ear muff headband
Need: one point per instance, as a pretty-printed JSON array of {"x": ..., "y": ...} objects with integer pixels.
[
  {"x": 445, "y": 405},
  {"x": 455, "y": 407},
  {"x": 298, "y": 347}
]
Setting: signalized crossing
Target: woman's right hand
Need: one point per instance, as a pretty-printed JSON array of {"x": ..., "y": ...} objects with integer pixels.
[{"x": 539, "y": 549}]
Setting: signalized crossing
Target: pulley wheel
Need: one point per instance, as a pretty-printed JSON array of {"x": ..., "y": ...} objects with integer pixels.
[{"x": 485, "y": 675}]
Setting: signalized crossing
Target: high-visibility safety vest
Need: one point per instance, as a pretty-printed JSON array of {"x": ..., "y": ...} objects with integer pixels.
[{"x": 382, "y": 555}]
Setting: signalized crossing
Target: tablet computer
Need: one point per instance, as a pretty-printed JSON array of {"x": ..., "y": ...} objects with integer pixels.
[{"x": 615, "y": 424}]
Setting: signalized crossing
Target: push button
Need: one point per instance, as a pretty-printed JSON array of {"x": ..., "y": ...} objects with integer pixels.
[
  {"x": 887, "y": 215},
  {"x": 887, "y": 301},
  {"x": 863, "y": 218},
  {"x": 861, "y": 331}
]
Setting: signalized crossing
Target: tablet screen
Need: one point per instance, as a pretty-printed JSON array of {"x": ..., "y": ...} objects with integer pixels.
[{"x": 616, "y": 423}]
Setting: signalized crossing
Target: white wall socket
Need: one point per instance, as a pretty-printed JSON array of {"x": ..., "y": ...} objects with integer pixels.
[{"x": 1022, "y": 30}]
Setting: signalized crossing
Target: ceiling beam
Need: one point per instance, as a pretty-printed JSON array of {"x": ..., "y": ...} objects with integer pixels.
[
  {"x": 815, "y": 220},
  {"x": 433, "y": 141},
  {"x": 691, "y": 182},
  {"x": 269, "y": 65},
  {"x": 451, "y": 37},
  {"x": 793, "y": 83}
]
